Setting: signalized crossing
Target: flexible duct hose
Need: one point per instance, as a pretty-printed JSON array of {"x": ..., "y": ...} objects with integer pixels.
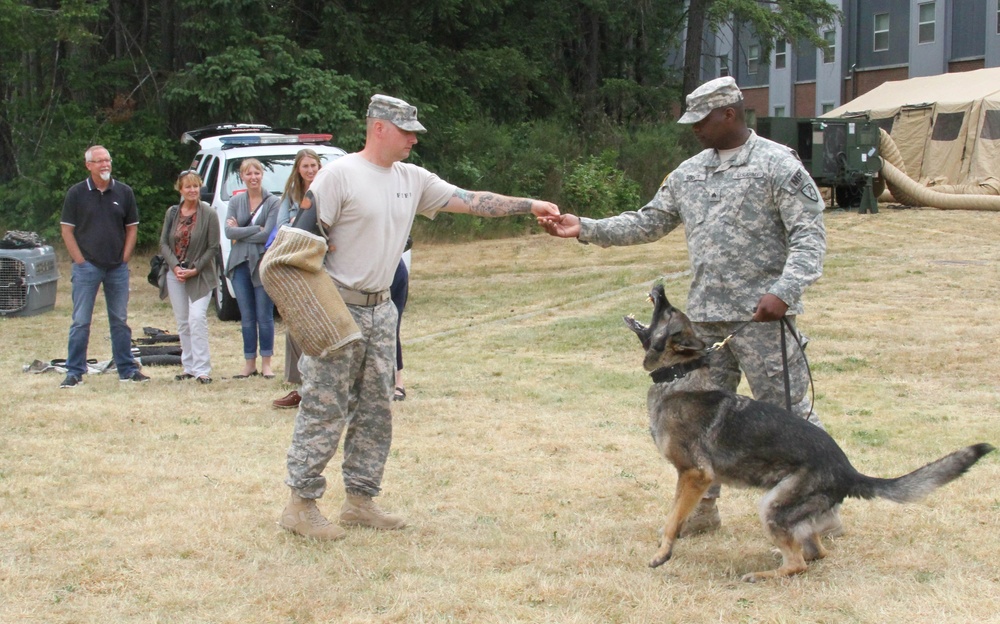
[{"x": 907, "y": 191}]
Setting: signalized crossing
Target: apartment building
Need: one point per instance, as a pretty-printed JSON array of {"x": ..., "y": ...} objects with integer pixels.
[{"x": 879, "y": 40}]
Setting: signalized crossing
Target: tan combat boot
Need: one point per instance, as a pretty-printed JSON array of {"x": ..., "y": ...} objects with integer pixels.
[
  {"x": 359, "y": 510},
  {"x": 703, "y": 519},
  {"x": 302, "y": 517}
]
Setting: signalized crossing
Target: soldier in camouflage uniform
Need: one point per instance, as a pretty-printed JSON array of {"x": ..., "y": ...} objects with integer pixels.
[
  {"x": 366, "y": 203},
  {"x": 753, "y": 219}
]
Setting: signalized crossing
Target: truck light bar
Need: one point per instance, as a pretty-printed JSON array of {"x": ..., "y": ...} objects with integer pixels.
[{"x": 275, "y": 139}]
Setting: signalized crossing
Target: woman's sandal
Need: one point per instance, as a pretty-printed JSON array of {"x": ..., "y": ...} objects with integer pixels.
[{"x": 399, "y": 394}]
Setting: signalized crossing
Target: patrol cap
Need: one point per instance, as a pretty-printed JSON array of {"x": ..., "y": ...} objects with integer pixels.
[
  {"x": 395, "y": 110},
  {"x": 710, "y": 96}
]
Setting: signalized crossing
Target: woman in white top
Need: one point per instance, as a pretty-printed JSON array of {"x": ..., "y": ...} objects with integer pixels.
[{"x": 249, "y": 222}]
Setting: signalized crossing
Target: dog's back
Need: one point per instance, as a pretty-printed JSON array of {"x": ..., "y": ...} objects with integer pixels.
[
  {"x": 745, "y": 442},
  {"x": 749, "y": 443}
]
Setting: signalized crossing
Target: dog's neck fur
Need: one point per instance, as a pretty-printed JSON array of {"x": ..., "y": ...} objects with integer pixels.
[{"x": 667, "y": 374}]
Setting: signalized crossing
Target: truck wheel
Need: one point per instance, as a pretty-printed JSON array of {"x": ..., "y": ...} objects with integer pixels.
[
  {"x": 848, "y": 196},
  {"x": 226, "y": 306}
]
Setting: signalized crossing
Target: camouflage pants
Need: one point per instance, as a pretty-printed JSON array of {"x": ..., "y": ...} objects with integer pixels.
[
  {"x": 347, "y": 393},
  {"x": 756, "y": 352}
]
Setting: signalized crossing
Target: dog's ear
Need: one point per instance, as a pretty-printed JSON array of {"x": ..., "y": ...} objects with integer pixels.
[
  {"x": 640, "y": 330},
  {"x": 685, "y": 342}
]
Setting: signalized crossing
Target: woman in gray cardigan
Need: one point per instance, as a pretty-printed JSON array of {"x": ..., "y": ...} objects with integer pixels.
[
  {"x": 249, "y": 222},
  {"x": 189, "y": 243}
]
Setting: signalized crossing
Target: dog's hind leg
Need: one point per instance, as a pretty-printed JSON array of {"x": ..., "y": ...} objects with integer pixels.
[
  {"x": 812, "y": 547},
  {"x": 792, "y": 559},
  {"x": 787, "y": 516},
  {"x": 691, "y": 484},
  {"x": 812, "y": 536}
]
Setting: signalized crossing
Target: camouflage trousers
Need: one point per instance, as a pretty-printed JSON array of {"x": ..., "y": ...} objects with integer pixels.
[
  {"x": 756, "y": 353},
  {"x": 348, "y": 393}
]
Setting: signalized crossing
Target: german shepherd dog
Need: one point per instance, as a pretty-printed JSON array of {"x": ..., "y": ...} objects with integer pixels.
[{"x": 712, "y": 435}]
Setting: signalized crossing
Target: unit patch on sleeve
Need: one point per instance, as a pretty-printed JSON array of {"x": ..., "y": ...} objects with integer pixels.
[{"x": 809, "y": 190}]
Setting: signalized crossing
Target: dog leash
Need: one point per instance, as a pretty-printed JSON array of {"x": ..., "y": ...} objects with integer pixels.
[
  {"x": 725, "y": 341},
  {"x": 785, "y": 323}
]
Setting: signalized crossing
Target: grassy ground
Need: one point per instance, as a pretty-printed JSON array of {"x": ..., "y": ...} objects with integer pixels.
[{"x": 521, "y": 456}]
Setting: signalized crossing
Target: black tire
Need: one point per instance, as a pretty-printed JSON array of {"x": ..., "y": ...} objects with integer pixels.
[
  {"x": 146, "y": 351},
  {"x": 848, "y": 196},
  {"x": 878, "y": 187},
  {"x": 160, "y": 360},
  {"x": 226, "y": 306}
]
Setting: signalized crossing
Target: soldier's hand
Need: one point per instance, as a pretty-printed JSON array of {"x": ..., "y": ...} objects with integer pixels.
[
  {"x": 544, "y": 209},
  {"x": 563, "y": 226},
  {"x": 769, "y": 308}
]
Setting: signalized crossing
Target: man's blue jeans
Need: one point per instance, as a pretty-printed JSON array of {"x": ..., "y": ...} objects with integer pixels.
[
  {"x": 256, "y": 314},
  {"x": 86, "y": 279}
]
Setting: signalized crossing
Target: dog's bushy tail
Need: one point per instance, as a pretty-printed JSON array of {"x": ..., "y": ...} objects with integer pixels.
[{"x": 922, "y": 481}]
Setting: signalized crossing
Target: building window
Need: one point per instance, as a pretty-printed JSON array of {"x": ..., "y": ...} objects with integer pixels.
[
  {"x": 780, "y": 54},
  {"x": 830, "y": 51},
  {"x": 881, "y": 32},
  {"x": 753, "y": 58},
  {"x": 998, "y": 20},
  {"x": 827, "y": 107},
  {"x": 925, "y": 29},
  {"x": 779, "y": 111},
  {"x": 723, "y": 64}
]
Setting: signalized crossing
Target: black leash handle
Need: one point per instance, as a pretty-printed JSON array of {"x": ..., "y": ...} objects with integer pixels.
[
  {"x": 784, "y": 355},
  {"x": 784, "y": 365}
]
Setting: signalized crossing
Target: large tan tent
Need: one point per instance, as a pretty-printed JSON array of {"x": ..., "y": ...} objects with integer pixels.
[{"x": 947, "y": 127}]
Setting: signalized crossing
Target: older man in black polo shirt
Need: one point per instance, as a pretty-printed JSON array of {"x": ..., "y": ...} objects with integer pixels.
[{"x": 99, "y": 225}]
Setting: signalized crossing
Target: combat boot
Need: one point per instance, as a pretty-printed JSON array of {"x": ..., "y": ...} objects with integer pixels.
[
  {"x": 703, "y": 519},
  {"x": 361, "y": 510},
  {"x": 302, "y": 517}
]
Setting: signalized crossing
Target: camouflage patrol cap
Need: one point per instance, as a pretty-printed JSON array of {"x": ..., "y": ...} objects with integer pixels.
[
  {"x": 395, "y": 110},
  {"x": 710, "y": 96}
]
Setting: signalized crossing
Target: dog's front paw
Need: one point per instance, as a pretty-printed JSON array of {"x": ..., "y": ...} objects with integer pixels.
[{"x": 659, "y": 559}]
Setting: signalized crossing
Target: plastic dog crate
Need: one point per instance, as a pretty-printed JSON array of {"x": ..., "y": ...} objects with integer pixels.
[{"x": 28, "y": 280}]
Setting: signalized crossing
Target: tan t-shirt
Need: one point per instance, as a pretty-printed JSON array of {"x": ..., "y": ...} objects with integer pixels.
[{"x": 368, "y": 211}]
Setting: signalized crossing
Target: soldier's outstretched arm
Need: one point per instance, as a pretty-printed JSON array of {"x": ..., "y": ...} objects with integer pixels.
[{"x": 487, "y": 204}]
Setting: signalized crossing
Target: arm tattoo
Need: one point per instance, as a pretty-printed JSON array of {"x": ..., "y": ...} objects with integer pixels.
[{"x": 485, "y": 204}]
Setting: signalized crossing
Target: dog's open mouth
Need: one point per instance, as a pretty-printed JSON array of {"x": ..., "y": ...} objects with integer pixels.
[{"x": 640, "y": 330}]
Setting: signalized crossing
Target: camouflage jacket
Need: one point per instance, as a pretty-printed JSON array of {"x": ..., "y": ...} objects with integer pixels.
[{"x": 754, "y": 225}]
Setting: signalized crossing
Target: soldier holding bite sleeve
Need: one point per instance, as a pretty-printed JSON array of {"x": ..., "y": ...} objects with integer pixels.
[{"x": 366, "y": 203}]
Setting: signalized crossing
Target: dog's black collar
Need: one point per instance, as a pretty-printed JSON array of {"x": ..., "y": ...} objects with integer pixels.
[{"x": 675, "y": 372}]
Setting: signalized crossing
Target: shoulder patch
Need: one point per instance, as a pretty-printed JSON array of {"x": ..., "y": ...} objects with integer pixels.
[
  {"x": 796, "y": 180},
  {"x": 809, "y": 190}
]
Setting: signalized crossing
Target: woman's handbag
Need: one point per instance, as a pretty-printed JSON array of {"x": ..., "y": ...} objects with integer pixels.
[{"x": 156, "y": 264}]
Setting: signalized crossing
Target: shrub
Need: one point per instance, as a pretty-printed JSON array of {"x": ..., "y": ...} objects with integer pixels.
[{"x": 596, "y": 188}]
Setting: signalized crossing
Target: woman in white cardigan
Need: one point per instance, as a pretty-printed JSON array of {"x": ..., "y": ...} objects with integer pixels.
[{"x": 249, "y": 222}]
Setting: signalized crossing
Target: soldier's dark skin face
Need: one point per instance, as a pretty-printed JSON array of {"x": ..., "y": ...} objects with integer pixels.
[{"x": 723, "y": 128}]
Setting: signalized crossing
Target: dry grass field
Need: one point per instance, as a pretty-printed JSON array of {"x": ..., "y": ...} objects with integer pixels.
[{"x": 521, "y": 456}]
